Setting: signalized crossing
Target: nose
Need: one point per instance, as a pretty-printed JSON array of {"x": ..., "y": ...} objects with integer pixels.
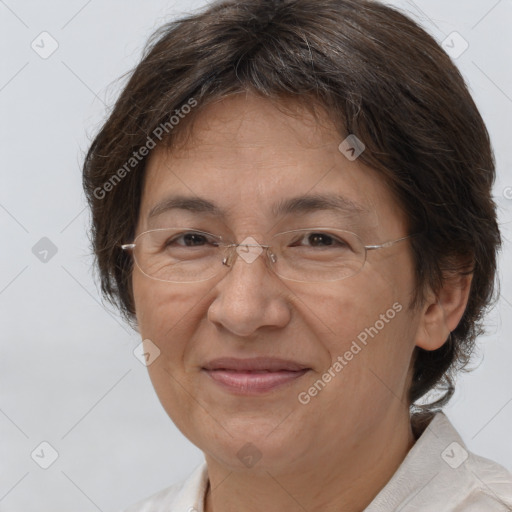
[{"x": 250, "y": 296}]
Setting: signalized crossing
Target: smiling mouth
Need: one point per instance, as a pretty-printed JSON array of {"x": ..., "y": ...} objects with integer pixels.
[
  {"x": 253, "y": 382},
  {"x": 253, "y": 376}
]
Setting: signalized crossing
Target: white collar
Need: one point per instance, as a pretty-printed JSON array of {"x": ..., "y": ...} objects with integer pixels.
[{"x": 438, "y": 474}]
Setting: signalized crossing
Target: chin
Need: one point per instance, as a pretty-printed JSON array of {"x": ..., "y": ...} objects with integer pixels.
[{"x": 255, "y": 447}]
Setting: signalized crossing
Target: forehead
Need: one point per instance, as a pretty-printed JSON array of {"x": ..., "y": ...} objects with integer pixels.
[{"x": 248, "y": 157}]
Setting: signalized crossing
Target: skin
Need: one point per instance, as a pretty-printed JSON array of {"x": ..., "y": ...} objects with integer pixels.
[{"x": 338, "y": 451}]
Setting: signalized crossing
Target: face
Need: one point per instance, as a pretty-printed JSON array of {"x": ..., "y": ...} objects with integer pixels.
[{"x": 356, "y": 335}]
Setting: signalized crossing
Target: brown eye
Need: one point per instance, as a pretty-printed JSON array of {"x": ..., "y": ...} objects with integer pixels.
[
  {"x": 194, "y": 239},
  {"x": 316, "y": 239},
  {"x": 319, "y": 239}
]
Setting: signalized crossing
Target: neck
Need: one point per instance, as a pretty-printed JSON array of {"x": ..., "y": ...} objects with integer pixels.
[{"x": 346, "y": 480}]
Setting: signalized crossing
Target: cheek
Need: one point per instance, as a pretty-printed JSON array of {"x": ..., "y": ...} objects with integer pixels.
[
  {"x": 165, "y": 313},
  {"x": 366, "y": 322},
  {"x": 168, "y": 315},
  {"x": 342, "y": 310}
]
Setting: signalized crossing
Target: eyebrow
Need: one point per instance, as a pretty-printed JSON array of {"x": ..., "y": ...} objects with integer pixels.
[{"x": 299, "y": 204}]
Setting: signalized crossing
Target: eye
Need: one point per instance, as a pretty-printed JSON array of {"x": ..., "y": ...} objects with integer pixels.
[
  {"x": 191, "y": 239},
  {"x": 319, "y": 239},
  {"x": 316, "y": 239}
]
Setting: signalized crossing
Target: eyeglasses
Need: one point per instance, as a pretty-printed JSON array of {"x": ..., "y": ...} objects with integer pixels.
[{"x": 187, "y": 255}]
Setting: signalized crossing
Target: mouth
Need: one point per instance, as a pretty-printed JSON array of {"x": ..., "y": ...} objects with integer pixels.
[{"x": 253, "y": 376}]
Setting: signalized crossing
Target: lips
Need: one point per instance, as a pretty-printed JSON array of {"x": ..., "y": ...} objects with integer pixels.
[
  {"x": 269, "y": 364},
  {"x": 253, "y": 376}
]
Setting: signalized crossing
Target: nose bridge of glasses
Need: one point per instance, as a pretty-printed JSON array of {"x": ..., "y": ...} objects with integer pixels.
[{"x": 248, "y": 250}]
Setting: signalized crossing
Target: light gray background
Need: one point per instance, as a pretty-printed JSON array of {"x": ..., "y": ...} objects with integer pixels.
[{"x": 68, "y": 373}]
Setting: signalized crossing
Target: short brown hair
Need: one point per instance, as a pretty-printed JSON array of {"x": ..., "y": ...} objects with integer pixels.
[{"x": 379, "y": 76}]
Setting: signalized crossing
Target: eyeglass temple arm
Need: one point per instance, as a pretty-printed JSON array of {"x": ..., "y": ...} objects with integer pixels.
[{"x": 387, "y": 244}]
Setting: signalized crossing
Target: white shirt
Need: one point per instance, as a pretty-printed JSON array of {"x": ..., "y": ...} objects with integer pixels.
[{"x": 437, "y": 475}]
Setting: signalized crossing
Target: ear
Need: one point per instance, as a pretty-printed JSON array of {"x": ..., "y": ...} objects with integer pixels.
[{"x": 441, "y": 312}]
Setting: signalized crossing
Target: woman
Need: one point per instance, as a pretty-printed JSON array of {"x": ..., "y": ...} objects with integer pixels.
[{"x": 292, "y": 204}]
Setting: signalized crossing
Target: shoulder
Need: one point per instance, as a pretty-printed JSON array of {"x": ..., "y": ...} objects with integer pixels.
[
  {"x": 440, "y": 474},
  {"x": 489, "y": 485},
  {"x": 479, "y": 483},
  {"x": 184, "y": 496},
  {"x": 157, "y": 501}
]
